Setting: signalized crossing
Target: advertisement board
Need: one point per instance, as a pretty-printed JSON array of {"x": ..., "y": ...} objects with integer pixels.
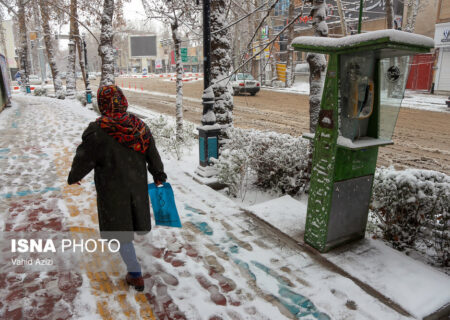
[{"x": 142, "y": 46}]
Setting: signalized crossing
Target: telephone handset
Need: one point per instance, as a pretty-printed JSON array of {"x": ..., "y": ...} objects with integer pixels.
[{"x": 361, "y": 108}]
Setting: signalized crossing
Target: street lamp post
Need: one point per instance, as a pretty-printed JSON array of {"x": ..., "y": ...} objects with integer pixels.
[
  {"x": 86, "y": 69},
  {"x": 209, "y": 130}
]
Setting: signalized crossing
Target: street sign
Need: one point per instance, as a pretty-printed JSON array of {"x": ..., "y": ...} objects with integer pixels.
[
  {"x": 256, "y": 49},
  {"x": 184, "y": 56},
  {"x": 264, "y": 32},
  {"x": 281, "y": 71}
]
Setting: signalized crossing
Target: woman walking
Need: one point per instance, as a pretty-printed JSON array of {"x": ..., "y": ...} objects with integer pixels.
[{"x": 119, "y": 146}]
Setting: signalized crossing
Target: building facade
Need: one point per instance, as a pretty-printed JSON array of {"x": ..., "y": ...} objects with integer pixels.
[
  {"x": 442, "y": 43},
  {"x": 8, "y": 48}
]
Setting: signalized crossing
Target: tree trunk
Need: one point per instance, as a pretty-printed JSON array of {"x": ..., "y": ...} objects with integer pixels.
[
  {"x": 40, "y": 54},
  {"x": 390, "y": 14},
  {"x": 413, "y": 9},
  {"x": 221, "y": 67},
  {"x": 317, "y": 63},
  {"x": 289, "y": 54},
  {"x": 105, "y": 50},
  {"x": 80, "y": 54},
  {"x": 254, "y": 23},
  {"x": 57, "y": 83},
  {"x": 342, "y": 17},
  {"x": 71, "y": 83},
  {"x": 24, "y": 63},
  {"x": 179, "y": 82}
]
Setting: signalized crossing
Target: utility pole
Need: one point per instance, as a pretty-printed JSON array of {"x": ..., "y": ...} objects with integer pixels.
[{"x": 206, "y": 44}]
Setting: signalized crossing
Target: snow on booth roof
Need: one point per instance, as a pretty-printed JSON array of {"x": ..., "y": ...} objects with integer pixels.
[{"x": 399, "y": 37}]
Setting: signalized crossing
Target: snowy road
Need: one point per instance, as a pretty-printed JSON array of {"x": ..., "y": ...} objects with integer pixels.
[
  {"x": 420, "y": 137},
  {"x": 220, "y": 265}
]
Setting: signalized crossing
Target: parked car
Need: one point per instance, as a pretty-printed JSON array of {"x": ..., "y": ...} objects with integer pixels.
[
  {"x": 244, "y": 82},
  {"x": 34, "y": 79},
  {"x": 92, "y": 76}
]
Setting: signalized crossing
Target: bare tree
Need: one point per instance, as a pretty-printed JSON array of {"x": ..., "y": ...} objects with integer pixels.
[
  {"x": 24, "y": 63},
  {"x": 71, "y": 84},
  {"x": 317, "y": 63},
  {"x": 290, "y": 52},
  {"x": 78, "y": 42},
  {"x": 57, "y": 83},
  {"x": 105, "y": 49},
  {"x": 221, "y": 65},
  {"x": 390, "y": 13},
  {"x": 178, "y": 14},
  {"x": 413, "y": 10}
]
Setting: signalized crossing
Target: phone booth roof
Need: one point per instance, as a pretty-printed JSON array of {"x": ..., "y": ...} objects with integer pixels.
[{"x": 385, "y": 43}]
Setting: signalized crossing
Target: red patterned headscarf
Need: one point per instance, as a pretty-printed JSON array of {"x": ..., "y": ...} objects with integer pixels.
[{"x": 125, "y": 128}]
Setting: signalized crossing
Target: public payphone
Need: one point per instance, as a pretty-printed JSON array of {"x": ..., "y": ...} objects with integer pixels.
[{"x": 363, "y": 90}]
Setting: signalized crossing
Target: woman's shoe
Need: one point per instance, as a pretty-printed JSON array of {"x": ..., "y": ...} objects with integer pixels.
[{"x": 137, "y": 283}]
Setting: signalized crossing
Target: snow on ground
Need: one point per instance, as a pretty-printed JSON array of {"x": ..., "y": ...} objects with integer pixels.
[
  {"x": 425, "y": 101},
  {"x": 162, "y": 94},
  {"x": 412, "y": 99},
  {"x": 415, "y": 286},
  {"x": 298, "y": 87},
  {"x": 288, "y": 208},
  {"x": 221, "y": 263}
]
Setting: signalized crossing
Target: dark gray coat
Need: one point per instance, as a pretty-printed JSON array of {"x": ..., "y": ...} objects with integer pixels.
[{"x": 120, "y": 175}]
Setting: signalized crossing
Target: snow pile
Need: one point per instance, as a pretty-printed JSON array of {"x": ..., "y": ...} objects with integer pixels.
[
  {"x": 393, "y": 35},
  {"x": 269, "y": 160},
  {"x": 411, "y": 208}
]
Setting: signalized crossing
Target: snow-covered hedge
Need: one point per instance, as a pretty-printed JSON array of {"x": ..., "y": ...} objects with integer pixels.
[
  {"x": 412, "y": 210},
  {"x": 410, "y": 207},
  {"x": 272, "y": 161}
]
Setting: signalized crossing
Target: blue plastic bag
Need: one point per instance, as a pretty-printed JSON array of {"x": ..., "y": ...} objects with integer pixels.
[{"x": 163, "y": 203}]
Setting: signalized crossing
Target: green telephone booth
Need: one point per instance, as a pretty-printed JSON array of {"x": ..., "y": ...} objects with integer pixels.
[{"x": 364, "y": 87}]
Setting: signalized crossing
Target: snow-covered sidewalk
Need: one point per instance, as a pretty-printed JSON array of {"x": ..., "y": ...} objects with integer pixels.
[{"x": 223, "y": 263}]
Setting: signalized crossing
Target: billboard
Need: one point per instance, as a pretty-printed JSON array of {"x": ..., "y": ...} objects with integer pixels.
[{"x": 142, "y": 46}]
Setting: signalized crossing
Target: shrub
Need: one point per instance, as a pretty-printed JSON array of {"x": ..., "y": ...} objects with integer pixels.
[
  {"x": 272, "y": 161},
  {"x": 81, "y": 96},
  {"x": 233, "y": 171},
  {"x": 164, "y": 132},
  {"x": 412, "y": 206}
]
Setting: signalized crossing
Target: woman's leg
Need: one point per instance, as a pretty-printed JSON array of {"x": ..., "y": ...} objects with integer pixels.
[{"x": 128, "y": 255}]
